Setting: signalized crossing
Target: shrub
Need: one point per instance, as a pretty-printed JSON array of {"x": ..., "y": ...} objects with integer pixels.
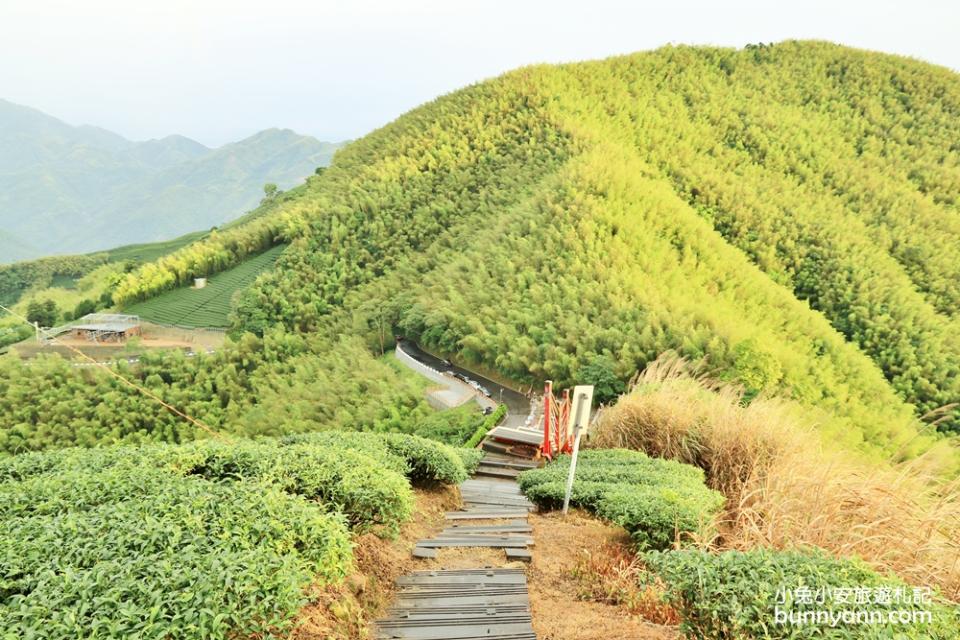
[
  {"x": 488, "y": 423},
  {"x": 470, "y": 458},
  {"x": 452, "y": 426},
  {"x": 369, "y": 444},
  {"x": 203, "y": 540},
  {"x": 428, "y": 459},
  {"x": 421, "y": 459},
  {"x": 340, "y": 480},
  {"x": 656, "y": 501},
  {"x": 733, "y": 595},
  {"x": 132, "y": 552},
  {"x": 600, "y": 371}
]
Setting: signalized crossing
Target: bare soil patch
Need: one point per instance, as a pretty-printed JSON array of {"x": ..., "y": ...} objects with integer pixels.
[{"x": 560, "y": 605}]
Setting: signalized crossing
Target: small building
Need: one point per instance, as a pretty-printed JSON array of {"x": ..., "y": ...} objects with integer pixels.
[{"x": 106, "y": 327}]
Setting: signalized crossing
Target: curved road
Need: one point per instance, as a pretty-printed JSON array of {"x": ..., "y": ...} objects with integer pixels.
[{"x": 519, "y": 406}]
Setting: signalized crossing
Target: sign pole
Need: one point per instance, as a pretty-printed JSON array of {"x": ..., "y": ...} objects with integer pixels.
[
  {"x": 547, "y": 397},
  {"x": 582, "y": 400}
]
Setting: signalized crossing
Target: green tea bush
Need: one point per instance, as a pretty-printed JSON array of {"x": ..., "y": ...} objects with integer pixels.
[
  {"x": 369, "y": 444},
  {"x": 428, "y": 459},
  {"x": 655, "y": 500},
  {"x": 735, "y": 595},
  {"x": 207, "y": 540},
  {"x": 130, "y": 552},
  {"x": 470, "y": 458},
  {"x": 341, "y": 480},
  {"x": 422, "y": 459}
]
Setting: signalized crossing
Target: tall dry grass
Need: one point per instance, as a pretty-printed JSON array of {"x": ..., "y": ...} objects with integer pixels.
[{"x": 784, "y": 488}]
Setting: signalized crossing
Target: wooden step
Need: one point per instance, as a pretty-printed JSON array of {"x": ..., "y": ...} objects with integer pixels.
[
  {"x": 487, "y": 514},
  {"x": 520, "y": 465},
  {"x": 495, "y": 472},
  {"x": 523, "y": 436},
  {"x": 523, "y": 555}
]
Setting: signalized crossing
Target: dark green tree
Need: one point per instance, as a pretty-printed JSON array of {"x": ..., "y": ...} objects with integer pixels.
[
  {"x": 44, "y": 313},
  {"x": 599, "y": 371}
]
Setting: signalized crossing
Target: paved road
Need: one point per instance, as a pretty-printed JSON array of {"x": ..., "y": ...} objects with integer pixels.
[{"x": 518, "y": 405}]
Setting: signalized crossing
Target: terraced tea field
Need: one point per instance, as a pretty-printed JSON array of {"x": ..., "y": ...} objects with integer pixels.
[{"x": 207, "y": 307}]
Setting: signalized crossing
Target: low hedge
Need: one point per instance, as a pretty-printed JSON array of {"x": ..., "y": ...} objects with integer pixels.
[
  {"x": 488, "y": 423},
  {"x": 734, "y": 595},
  {"x": 470, "y": 458},
  {"x": 205, "y": 540},
  {"x": 657, "y": 501}
]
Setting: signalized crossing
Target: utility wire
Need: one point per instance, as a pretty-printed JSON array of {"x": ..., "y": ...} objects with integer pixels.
[{"x": 53, "y": 340}]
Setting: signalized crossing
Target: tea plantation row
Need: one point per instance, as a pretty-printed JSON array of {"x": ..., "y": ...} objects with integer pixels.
[
  {"x": 204, "y": 540},
  {"x": 207, "y": 307},
  {"x": 657, "y": 501}
]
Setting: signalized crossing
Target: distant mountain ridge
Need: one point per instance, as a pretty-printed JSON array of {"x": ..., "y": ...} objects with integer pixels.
[{"x": 73, "y": 189}]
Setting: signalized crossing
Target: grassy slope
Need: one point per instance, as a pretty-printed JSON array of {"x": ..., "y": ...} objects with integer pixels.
[{"x": 209, "y": 306}]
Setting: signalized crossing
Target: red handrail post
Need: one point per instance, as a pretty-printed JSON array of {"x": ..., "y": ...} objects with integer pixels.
[
  {"x": 547, "y": 397},
  {"x": 565, "y": 447}
]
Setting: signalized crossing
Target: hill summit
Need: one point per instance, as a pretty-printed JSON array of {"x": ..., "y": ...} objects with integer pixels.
[{"x": 788, "y": 212}]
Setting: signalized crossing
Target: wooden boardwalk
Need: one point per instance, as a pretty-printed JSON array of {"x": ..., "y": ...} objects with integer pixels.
[{"x": 472, "y": 604}]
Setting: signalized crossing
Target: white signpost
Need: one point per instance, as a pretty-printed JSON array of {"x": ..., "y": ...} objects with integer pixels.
[{"x": 578, "y": 425}]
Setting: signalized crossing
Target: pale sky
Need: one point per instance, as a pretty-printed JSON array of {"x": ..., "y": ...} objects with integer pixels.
[{"x": 217, "y": 70}]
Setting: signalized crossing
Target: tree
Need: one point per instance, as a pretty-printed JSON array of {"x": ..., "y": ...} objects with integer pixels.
[
  {"x": 599, "y": 372},
  {"x": 84, "y": 307},
  {"x": 43, "y": 313},
  {"x": 270, "y": 191}
]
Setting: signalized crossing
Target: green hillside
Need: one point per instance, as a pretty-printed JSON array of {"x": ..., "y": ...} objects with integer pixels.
[
  {"x": 800, "y": 242},
  {"x": 69, "y": 280},
  {"x": 209, "y": 306},
  {"x": 784, "y": 212}
]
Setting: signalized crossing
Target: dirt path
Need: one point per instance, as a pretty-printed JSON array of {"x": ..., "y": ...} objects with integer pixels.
[{"x": 557, "y": 596}]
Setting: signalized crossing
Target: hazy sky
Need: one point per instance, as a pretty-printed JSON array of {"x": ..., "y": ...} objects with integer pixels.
[{"x": 220, "y": 70}]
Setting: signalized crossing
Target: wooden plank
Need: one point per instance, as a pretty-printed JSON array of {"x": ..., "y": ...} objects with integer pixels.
[
  {"x": 492, "y": 615},
  {"x": 492, "y": 484},
  {"x": 496, "y": 473},
  {"x": 486, "y": 514},
  {"x": 512, "y": 631},
  {"x": 479, "y": 571},
  {"x": 516, "y": 435},
  {"x": 479, "y": 538},
  {"x": 519, "y": 599},
  {"x": 424, "y": 552},
  {"x": 505, "y": 501},
  {"x": 493, "y": 544},
  {"x": 516, "y": 604},
  {"x": 491, "y": 528},
  {"x": 524, "y": 555},
  {"x": 442, "y": 578},
  {"x": 463, "y": 593},
  {"x": 519, "y": 466}
]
